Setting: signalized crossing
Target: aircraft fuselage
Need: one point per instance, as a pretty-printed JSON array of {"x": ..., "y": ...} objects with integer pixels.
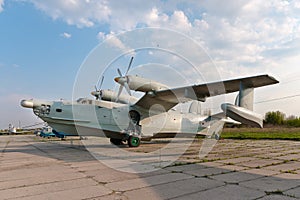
[{"x": 97, "y": 118}]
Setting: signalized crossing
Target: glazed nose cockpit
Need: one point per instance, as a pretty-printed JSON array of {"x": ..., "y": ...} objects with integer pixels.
[
  {"x": 39, "y": 107},
  {"x": 27, "y": 103}
]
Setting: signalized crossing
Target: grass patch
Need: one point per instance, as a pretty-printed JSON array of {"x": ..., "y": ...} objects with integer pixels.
[{"x": 259, "y": 134}]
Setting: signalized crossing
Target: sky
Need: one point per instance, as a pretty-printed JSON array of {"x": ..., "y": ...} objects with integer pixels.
[{"x": 43, "y": 43}]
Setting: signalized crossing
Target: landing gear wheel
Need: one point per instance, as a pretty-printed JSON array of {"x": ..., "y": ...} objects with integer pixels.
[
  {"x": 134, "y": 141},
  {"x": 116, "y": 141}
]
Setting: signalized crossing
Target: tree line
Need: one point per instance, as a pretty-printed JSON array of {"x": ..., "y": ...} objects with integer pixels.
[{"x": 279, "y": 118}]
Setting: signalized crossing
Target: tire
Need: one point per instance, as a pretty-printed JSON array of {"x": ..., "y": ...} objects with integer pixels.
[
  {"x": 116, "y": 141},
  {"x": 134, "y": 141}
]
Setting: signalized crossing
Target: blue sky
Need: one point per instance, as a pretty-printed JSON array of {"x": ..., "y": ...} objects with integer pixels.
[
  {"x": 36, "y": 59},
  {"x": 43, "y": 43}
]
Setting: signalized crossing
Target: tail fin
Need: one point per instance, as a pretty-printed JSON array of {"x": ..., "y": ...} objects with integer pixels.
[{"x": 245, "y": 97}]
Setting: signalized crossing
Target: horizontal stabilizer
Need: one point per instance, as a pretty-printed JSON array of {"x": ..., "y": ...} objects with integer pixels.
[{"x": 242, "y": 115}]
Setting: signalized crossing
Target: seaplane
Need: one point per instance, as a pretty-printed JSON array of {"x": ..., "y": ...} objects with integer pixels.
[{"x": 127, "y": 119}]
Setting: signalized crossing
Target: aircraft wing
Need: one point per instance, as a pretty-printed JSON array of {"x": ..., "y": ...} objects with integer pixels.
[{"x": 164, "y": 100}]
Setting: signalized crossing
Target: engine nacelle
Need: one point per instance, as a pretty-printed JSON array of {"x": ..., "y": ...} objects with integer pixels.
[
  {"x": 137, "y": 83},
  {"x": 109, "y": 95}
]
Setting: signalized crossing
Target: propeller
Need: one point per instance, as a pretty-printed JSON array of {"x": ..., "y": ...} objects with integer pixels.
[
  {"x": 97, "y": 93},
  {"x": 123, "y": 80}
]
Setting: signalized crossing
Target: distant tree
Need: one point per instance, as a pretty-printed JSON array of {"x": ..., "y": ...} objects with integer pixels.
[
  {"x": 275, "y": 118},
  {"x": 294, "y": 122}
]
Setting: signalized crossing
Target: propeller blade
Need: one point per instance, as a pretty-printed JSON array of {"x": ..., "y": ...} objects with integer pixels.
[
  {"x": 119, "y": 92},
  {"x": 120, "y": 73},
  {"x": 129, "y": 65},
  {"x": 123, "y": 83},
  {"x": 127, "y": 88},
  {"x": 97, "y": 92},
  {"x": 102, "y": 79}
]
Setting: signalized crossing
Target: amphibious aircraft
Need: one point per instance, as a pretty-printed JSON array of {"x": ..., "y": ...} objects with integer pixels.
[{"x": 125, "y": 118}]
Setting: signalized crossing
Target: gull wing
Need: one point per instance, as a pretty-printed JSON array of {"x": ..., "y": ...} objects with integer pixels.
[{"x": 164, "y": 100}]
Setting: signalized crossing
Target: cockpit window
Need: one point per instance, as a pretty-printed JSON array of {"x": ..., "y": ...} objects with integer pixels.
[
  {"x": 80, "y": 100},
  {"x": 85, "y": 101}
]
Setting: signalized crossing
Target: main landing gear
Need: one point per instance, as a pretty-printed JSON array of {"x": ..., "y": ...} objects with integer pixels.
[
  {"x": 116, "y": 141},
  {"x": 132, "y": 141},
  {"x": 132, "y": 134}
]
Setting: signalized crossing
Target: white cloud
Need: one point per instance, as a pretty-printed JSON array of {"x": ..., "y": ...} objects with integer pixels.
[
  {"x": 242, "y": 37},
  {"x": 66, "y": 35},
  {"x": 75, "y": 12},
  {"x": 115, "y": 42},
  {"x": 176, "y": 21},
  {"x": 221, "y": 25},
  {"x": 101, "y": 36},
  {"x": 235, "y": 31},
  {"x": 118, "y": 44},
  {"x": 155, "y": 18},
  {"x": 1, "y": 5}
]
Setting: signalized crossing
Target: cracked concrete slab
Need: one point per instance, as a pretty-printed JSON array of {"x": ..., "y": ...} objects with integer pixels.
[
  {"x": 186, "y": 167},
  {"x": 174, "y": 189},
  {"x": 260, "y": 163},
  {"x": 271, "y": 184},
  {"x": 207, "y": 172},
  {"x": 77, "y": 193},
  {"x": 289, "y": 166},
  {"x": 277, "y": 197},
  {"x": 137, "y": 183},
  {"x": 232, "y": 167},
  {"x": 228, "y": 192},
  {"x": 41, "y": 189},
  {"x": 262, "y": 172},
  {"x": 237, "y": 160},
  {"x": 236, "y": 177},
  {"x": 293, "y": 192}
]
